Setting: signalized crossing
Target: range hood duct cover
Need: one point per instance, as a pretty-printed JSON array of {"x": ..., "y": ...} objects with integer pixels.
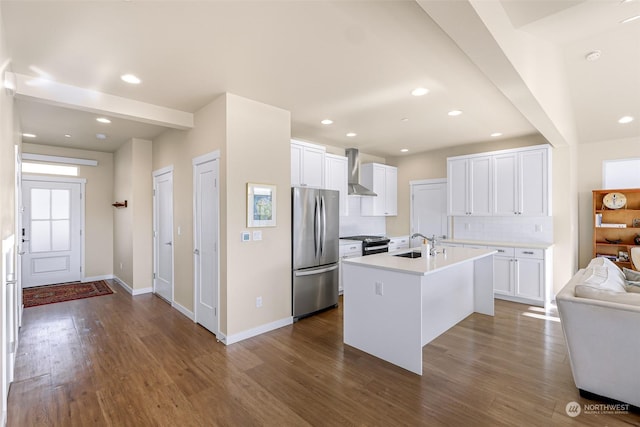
[{"x": 354, "y": 187}]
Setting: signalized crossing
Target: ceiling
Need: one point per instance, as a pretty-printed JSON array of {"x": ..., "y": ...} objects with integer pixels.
[{"x": 353, "y": 62}]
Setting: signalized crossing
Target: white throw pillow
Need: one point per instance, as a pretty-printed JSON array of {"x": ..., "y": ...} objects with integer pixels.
[
  {"x": 610, "y": 265},
  {"x": 605, "y": 278}
]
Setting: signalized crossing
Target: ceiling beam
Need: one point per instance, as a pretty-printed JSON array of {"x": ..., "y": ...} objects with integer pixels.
[
  {"x": 482, "y": 31},
  {"x": 77, "y": 98}
]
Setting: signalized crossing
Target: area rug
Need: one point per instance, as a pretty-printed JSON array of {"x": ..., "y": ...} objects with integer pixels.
[{"x": 49, "y": 294}]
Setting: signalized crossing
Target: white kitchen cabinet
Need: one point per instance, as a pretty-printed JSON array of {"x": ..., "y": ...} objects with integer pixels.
[
  {"x": 382, "y": 180},
  {"x": 469, "y": 183},
  {"x": 347, "y": 249},
  {"x": 521, "y": 183},
  {"x": 500, "y": 183},
  {"x": 336, "y": 178},
  {"x": 397, "y": 243},
  {"x": 307, "y": 164},
  {"x": 521, "y": 274}
]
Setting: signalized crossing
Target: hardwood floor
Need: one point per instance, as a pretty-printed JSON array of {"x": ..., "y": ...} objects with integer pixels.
[{"x": 134, "y": 361}]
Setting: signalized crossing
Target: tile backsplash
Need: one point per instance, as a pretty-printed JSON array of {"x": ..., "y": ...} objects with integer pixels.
[
  {"x": 504, "y": 229},
  {"x": 354, "y": 224}
]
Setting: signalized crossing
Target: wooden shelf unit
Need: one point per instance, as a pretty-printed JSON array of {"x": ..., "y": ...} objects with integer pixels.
[{"x": 625, "y": 215}]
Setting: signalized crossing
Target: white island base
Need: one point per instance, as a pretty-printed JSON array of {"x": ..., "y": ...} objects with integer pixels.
[{"x": 394, "y": 306}]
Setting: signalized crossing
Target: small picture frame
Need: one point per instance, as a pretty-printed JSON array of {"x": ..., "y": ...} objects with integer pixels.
[
  {"x": 635, "y": 223},
  {"x": 623, "y": 256},
  {"x": 261, "y": 205}
]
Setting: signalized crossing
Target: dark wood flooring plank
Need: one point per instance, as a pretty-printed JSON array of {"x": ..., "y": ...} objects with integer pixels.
[{"x": 118, "y": 360}]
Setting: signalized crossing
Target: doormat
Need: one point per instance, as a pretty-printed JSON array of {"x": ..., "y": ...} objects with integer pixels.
[{"x": 49, "y": 294}]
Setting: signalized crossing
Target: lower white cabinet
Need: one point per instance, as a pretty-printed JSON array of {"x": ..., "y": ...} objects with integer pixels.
[
  {"x": 520, "y": 274},
  {"x": 347, "y": 250},
  {"x": 396, "y": 243}
]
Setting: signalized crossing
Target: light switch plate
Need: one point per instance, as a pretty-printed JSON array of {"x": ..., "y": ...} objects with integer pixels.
[
  {"x": 246, "y": 236},
  {"x": 257, "y": 235}
]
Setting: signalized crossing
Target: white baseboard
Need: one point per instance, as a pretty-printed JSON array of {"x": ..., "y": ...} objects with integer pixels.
[
  {"x": 190, "y": 314},
  {"x": 231, "y": 339},
  {"x": 96, "y": 278},
  {"x": 129, "y": 289},
  {"x": 142, "y": 291}
]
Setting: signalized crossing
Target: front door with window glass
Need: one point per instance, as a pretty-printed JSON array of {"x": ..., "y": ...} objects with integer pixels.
[{"x": 51, "y": 233}]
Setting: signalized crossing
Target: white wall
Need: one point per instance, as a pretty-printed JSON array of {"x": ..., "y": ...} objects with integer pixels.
[
  {"x": 133, "y": 225},
  {"x": 254, "y": 143}
]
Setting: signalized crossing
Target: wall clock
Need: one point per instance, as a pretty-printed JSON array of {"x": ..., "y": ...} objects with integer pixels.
[{"x": 615, "y": 200}]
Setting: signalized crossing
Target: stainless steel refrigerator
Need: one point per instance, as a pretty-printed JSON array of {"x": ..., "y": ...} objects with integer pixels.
[{"x": 314, "y": 248}]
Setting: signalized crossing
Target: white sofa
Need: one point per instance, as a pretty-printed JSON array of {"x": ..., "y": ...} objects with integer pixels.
[{"x": 601, "y": 325}]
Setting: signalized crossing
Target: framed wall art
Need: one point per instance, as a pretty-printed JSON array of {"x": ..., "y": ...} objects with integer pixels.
[{"x": 261, "y": 205}]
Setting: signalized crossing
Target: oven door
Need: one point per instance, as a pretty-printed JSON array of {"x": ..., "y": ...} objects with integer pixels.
[{"x": 375, "y": 249}]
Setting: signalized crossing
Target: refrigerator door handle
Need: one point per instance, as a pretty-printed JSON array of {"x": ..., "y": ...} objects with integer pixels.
[
  {"x": 323, "y": 210},
  {"x": 316, "y": 227},
  {"x": 317, "y": 271}
]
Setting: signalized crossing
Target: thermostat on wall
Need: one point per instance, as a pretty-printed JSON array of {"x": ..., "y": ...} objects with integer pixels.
[{"x": 246, "y": 236}]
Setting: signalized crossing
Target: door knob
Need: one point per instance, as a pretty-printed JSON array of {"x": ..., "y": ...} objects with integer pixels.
[
  {"x": 168, "y": 243},
  {"x": 196, "y": 252}
]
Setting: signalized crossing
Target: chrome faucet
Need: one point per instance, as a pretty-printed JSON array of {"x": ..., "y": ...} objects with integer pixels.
[{"x": 433, "y": 239}]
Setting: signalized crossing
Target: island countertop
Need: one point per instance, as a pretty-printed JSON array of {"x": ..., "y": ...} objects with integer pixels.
[{"x": 420, "y": 266}]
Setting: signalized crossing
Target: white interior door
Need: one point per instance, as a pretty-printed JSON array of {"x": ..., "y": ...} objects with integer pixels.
[
  {"x": 429, "y": 209},
  {"x": 51, "y": 233},
  {"x": 163, "y": 234},
  {"x": 206, "y": 243}
]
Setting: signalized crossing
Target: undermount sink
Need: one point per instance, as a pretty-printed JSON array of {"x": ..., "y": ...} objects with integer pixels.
[{"x": 412, "y": 254}]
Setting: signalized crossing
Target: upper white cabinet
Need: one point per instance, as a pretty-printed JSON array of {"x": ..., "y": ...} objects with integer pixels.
[
  {"x": 521, "y": 183},
  {"x": 336, "y": 178},
  {"x": 382, "y": 180},
  {"x": 501, "y": 183},
  {"x": 469, "y": 182},
  {"x": 307, "y": 164}
]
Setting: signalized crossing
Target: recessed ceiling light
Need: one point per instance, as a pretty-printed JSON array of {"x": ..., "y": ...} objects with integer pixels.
[
  {"x": 66, "y": 135},
  {"x": 327, "y": 122},
  {"x": 404, "y": 119},
  {"x": 101, "y": 136},
  {"x": 29, "y": 135},
  {"x": 454, "y": 113},
  {"x": 130, "y": 78},
  {"x": 419, "y": 91},
  {"x": 593, "y": 56},
  {"x": 103, "y": 120},
  {"x": 629, "y": 19},
  {"x": 404, "y": 150},
  {"x": 351, "y": 134},
  {"x": 496, "y": 134},
  {"x": 625, "y": 119}
]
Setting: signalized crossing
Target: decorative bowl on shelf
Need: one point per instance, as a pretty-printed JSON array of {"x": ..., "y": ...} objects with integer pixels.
[
  {"x": 636, "y": 239},
  {"x": 612, "y": 241}
]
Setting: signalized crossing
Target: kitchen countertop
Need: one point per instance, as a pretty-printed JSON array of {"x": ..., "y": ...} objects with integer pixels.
[
  {"x": 502, "y": 244},
  {"x": 420, "y": 266}
]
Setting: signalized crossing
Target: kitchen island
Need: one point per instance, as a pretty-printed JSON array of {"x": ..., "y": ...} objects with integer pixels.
[{"x": 393, "y": 306}]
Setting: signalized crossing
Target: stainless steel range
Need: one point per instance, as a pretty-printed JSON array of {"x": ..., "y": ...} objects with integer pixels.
[{"x": 372, "y": 244}]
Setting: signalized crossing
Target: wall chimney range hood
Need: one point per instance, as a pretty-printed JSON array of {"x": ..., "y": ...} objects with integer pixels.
[{"x": 354, "y": 187}]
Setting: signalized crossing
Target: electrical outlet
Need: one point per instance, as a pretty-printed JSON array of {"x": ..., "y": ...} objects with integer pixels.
[
  {"x": 258, "y": 302},
  {"x": 379, "y": 289},
  {"x": 120, "y": 266},
  {"x": 467, "y": 226},
  {"x": 257, "y": 235},
  {"x": 538, "y": 228}
]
